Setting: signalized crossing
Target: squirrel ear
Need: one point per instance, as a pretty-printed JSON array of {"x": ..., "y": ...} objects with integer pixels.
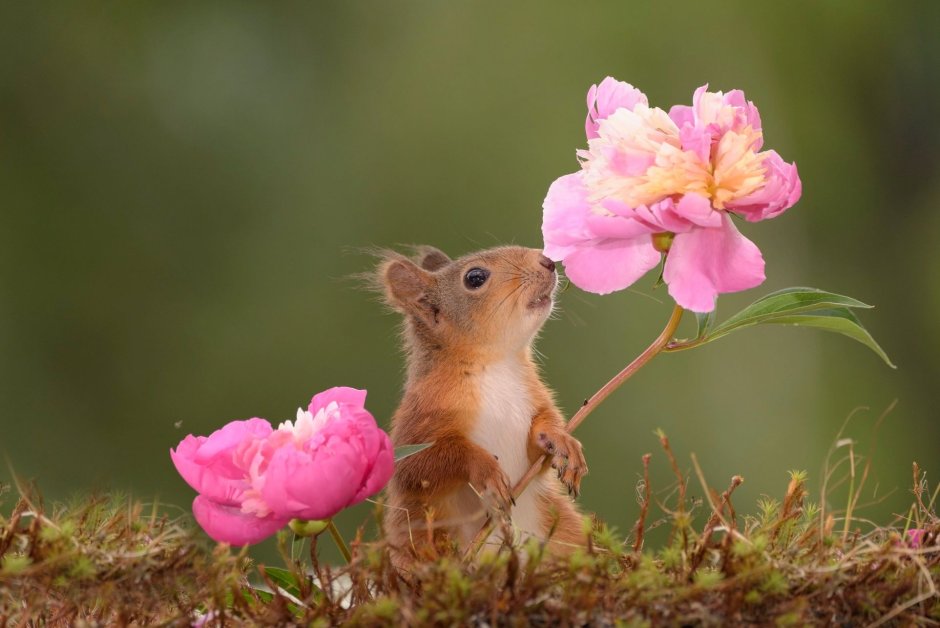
[
  {"x": 432, "y": 259},
  {"x": 407, "y": 288}
]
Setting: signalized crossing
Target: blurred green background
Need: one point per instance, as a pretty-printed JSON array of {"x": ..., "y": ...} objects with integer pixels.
[{"x": 185, "y": 187}]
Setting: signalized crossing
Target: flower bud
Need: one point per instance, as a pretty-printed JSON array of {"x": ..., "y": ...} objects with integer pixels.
[
  {"x": 304, "y": 528},
  {"x": 663, "y": 240}
]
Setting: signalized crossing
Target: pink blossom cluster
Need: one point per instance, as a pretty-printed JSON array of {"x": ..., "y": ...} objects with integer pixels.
[
  {"x": 653, "y": 182},
  {"x": 253, "y": 479}
]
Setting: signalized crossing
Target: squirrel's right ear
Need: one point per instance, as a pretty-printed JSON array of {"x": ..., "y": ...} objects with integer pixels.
[
  {"x": 432, "y": 259},
  {"x": 407, "y": 288}
]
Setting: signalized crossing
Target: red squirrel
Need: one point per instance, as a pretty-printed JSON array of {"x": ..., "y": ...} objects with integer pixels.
[{"x": 474, "y": 391}]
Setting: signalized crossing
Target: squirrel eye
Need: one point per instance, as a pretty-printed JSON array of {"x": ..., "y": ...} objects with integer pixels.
[{"x": 475, "y": 278}]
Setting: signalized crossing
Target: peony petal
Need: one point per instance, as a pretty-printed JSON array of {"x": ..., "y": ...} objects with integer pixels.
[
  {"x": 383, "y": 467},
  {"x": 780, "y": 192},
  {"x": 747, "y": 114},
  {"x": 217, "y": 478},
  {"x": 662, "y": 216},
  {"x": 227, "y": 524},
  {"x": 341, "y": 394},
  {"x": 619, "y": 227},
  {"x": 227, "y": 438},
  {"x": 564, "y": 217},
  {"x": 705, "y": 262},
  {"x": 682, "y": 115},
  {"x": 698, "y": 210},
  {"x": 313, "y": 484},
  {"x": 611, "y": 265},
  {"x": 698, "y": 140},
  {"x": 350, "y": 459},
  {"x": 606, "y": 98},
  {"x": 717, "y": 113}
]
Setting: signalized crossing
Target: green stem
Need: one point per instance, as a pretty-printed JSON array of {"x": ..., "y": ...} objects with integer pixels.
[{"x": 340, "y": 543}]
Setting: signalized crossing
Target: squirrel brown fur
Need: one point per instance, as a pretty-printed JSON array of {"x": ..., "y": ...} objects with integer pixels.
[{"x": 473, "y": 391}]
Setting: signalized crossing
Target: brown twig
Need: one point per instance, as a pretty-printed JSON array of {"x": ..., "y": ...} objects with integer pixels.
[
  {"x": 792, "y": 505},
  {"x": 699, "y": 553},
  {"x": 919, "y": 483},
  {"x": 638, "y": 529},
  {"x": 680, "y": 478}
]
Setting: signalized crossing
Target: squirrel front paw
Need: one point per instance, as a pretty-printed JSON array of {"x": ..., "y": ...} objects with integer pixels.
[
  {"x": 492, "y": 484},
  {"x": 566, "y": 457}
]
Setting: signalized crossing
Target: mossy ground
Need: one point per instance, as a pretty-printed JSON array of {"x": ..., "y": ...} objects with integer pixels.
[{"x": 112, "y": 561}]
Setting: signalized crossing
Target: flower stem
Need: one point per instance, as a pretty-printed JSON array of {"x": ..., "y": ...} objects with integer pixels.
[
  {"x": 589, "y": 406},
  {"x": 340, "y": 543}
]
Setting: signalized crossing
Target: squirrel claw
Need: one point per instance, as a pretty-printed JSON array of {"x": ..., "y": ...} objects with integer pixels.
[
  {"x": 493, "y": 487},
  {"x": 566, "y": 458}
]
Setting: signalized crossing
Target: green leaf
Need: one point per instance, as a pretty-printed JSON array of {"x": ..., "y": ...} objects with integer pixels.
[
  {"x": 839, "y": 320},
  {"x": 802, "y": 307},
  {"x": 783, "y": 303},
  {"x": 264, "y": 595},
  {"x": 704, "y": 322},
  {"x": 284, "y": 579},
  {"x": 287, "y": 586},
  {"x": 409, "y": 450}
]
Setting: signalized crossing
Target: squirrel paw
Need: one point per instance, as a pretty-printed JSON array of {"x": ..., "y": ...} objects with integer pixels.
[
  {"x": 566, "y": 457},
  {"x": 492, "y": 484}
]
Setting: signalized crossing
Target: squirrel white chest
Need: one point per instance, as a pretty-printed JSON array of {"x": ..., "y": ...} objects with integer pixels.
[
  {"x": 505, "y": 417},
  {"x": 502, "y": 428}
]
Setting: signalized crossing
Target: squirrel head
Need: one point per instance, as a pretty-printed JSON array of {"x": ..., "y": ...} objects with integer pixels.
[{"x": 492, "y": 301}]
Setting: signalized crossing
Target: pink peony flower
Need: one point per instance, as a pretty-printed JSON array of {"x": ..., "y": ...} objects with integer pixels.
[
  {"x": 647, "y": 172},
  {"x": 252, "y": 480}
]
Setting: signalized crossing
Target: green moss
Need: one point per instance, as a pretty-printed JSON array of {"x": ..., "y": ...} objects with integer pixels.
[
  {"x": 83, "y": 568},
  {"x": 775, "y": 584},
  {"x": 13, "y": 564},
  {"x": 707, "y": 578}
]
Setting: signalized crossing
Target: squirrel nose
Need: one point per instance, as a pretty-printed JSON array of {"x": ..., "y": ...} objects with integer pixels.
[{"x": 547, "y": 263}]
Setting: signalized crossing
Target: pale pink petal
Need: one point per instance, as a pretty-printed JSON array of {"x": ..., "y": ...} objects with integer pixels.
[
  {"x": 747, "y": 112},
  {"x": 701, "y": 117},
  {"x": 339, "y": 394},
  {"x": 698, "y": 140},
  {"x": 606, "y": 98},
  {"x": 662, "y": 216},
  {"x": 564, "y": 217},
  {"x": 617, "y": 227},
  {"x": 617, "y": 159},
  {"x": 698, "y": 210},
  {"x": 611, "y": 265},
  {"x": 227, "y": 524},
  {"x": 682, "y": 115},
  {"x": 717, "y": 113},
  {"x": 705, "y": 262},
  {"x": 781, "y": 191}
]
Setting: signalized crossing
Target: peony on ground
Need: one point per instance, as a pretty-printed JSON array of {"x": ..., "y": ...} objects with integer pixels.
[{"x": 109, "y": 560}]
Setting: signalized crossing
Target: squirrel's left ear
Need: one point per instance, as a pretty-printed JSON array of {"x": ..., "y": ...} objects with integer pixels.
[
  {"x": 408, "y": 289},
  {"x": 430, "y": 258}
]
